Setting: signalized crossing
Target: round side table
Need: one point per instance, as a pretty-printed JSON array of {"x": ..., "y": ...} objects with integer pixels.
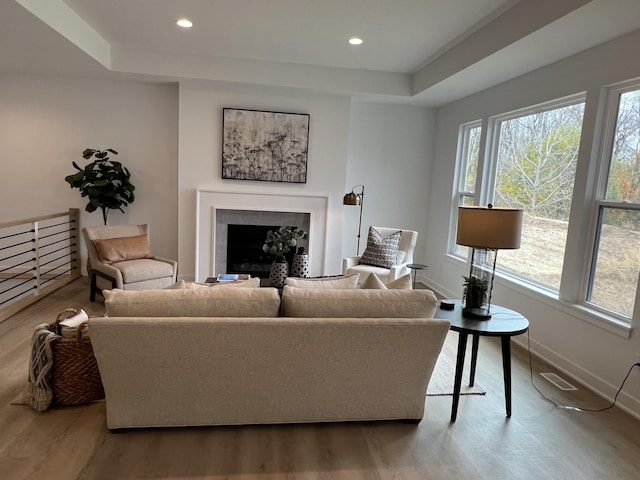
[
  {"x": 504, "y": 323},
  {"x": 415, "y": 267}
]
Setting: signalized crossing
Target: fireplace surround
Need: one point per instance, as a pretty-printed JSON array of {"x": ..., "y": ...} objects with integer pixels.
[{"x": 216, "y": 210}]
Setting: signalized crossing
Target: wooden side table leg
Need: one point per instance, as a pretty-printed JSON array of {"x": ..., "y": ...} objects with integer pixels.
[
  {"x": 474, "y": 359},
  {"x": 506, "y": 368},
  {"x": 462, "y": 347}
]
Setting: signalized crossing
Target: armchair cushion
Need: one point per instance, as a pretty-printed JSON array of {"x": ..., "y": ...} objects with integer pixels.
[
  {"x": 112, "y": 250},
  {"x": 381, "y": 251},
  {"x": 144, "y": 269}
]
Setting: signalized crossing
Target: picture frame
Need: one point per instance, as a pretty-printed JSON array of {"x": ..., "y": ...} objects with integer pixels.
[{"x": 264, "y": 146}]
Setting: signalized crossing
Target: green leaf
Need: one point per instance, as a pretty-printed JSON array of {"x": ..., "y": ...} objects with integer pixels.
[{"x": 104, "y": 182}]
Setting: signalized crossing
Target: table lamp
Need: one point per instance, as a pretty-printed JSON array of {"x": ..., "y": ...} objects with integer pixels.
[{"x": 485, "y": 230}]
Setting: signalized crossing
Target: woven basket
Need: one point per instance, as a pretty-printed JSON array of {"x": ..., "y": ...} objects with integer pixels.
[{"x": 75, "y": 378}]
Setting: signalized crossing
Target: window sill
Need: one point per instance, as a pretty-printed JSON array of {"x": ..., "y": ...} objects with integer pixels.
[
  {"x": 601, "y": 320},
  {"x": 583, "y": 313}
]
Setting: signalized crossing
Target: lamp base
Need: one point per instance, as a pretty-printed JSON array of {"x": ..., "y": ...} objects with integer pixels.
[{"x": 476, "y": 313}]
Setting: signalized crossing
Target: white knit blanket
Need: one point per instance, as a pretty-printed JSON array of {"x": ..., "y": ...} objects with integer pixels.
[{"x": 39, "y": 390}]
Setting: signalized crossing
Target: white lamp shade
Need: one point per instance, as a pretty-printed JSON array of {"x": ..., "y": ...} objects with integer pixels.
[{"x": 492, "y": 228}]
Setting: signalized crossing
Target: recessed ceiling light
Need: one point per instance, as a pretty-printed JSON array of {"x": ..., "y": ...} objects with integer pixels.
[
  {"x": 355, "y": 41},
  {"x": 184, "y": 23}
]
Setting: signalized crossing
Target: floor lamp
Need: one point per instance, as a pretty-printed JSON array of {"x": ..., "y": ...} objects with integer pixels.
[
  {"x": 485, "y": 230},
  {"x": 356, "y": 199}
]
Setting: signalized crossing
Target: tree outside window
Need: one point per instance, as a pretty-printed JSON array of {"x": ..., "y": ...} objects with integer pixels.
[{"x": 535, "y": 170}]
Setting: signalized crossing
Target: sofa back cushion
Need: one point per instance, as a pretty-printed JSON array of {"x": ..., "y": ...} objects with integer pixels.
[
  {"x": 201, "y": 302},
  {"x": 357, "y": 303},
  {"x": 340, "y": 281}
]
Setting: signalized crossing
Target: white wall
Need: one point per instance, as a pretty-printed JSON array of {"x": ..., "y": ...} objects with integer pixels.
[
  {"x": 572, "y": 339},
  {"x": 390, "y": 152},
  {"x": 169, "y": 137},
  {"x": 45, "y": 124},
  {"x": 200, "y": 158},
  {"x": 386, "y": 147}
]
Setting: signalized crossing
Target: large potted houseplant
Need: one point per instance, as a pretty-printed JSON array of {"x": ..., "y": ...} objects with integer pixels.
[
  {"x": 106, "y": 182},
  {"x": 278, "y": 244}
]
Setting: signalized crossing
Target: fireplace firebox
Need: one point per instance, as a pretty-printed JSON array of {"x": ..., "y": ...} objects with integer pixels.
[{"x": 244, "y": 250}]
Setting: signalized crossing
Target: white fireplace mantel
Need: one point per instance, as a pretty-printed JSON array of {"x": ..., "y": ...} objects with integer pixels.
[{"x": 209, "y": 202}]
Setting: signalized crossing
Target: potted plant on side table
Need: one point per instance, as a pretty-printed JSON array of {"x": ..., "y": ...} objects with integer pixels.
[
  {"x": 475, "y": 293},
  {"x": 278, "y": 244}
]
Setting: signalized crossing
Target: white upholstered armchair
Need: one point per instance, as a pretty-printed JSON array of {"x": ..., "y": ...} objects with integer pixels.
[
  {"x": 408, "y": 239},
  {"x": 120, "y": 257}
]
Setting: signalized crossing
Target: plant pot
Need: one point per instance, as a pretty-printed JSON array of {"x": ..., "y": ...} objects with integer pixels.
[
  {"x": 279, "y": 271},
  {"x": 475, "y": 298}
]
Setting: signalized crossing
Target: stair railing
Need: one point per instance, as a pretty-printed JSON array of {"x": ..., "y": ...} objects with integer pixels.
[{"x": 37, "y": 256}]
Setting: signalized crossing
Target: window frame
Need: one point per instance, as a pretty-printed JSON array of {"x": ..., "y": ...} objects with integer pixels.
[
  {"x": 460, "y": 193},
  {"x": 488, "y": 187},
  {"x": 600, "y": 203}
]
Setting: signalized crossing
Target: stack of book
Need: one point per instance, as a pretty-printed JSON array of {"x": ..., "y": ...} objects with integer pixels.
[{"x": 228, "y": 277}]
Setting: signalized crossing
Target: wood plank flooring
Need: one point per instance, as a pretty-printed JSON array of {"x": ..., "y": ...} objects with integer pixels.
[{"x": 538, "y": 442}]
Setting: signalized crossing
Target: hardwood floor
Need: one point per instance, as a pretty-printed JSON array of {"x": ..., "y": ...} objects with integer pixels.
[{"x": 538, "y": 442}]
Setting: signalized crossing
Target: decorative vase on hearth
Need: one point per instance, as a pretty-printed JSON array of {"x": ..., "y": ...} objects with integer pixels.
[
  {"x": 300, "y": 264},
  {"x": 279, "y": 271}
]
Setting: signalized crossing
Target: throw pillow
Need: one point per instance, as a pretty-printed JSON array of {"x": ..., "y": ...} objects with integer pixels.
[
  {"x": 340, "y": 282},
  {"x": 381, "y": 252},
  {"x": 373, "y": 282},
  {"x": 112, "y": 250}
]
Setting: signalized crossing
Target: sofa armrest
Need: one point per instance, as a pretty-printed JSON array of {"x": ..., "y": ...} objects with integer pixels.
[
  {"x": 109, "y": 271},
  {"x": 171, "y": 262}
]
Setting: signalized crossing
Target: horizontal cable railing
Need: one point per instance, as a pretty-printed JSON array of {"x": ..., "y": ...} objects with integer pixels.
[{"x": 37, "y": 256}]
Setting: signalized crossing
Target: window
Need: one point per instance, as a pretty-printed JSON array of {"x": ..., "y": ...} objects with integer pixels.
[
  {"x": 535, "y": 165},
  {"x": 531, "y": 165},
  {"x": 615, "y": 265},
  {"x": 469, "y": 155}
]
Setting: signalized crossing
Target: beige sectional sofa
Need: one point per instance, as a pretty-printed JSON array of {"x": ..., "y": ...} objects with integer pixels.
[{"x": 221, "y": 356}]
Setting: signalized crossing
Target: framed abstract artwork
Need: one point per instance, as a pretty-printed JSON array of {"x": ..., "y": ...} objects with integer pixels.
[{"x": 264, "y": 146}]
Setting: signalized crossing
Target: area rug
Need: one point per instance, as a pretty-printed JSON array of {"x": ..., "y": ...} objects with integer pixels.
[{"x": 441, "y": 382}]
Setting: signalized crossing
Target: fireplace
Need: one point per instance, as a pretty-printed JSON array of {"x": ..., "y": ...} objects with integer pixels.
[
  {"x": 241, "y": 234},
  {"x": 244, "y": 249},
  {"x": 217, "y": 210}
]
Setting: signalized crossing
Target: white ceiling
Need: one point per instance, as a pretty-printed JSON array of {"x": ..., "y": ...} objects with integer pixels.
[{"x": 426, "y": 52}]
